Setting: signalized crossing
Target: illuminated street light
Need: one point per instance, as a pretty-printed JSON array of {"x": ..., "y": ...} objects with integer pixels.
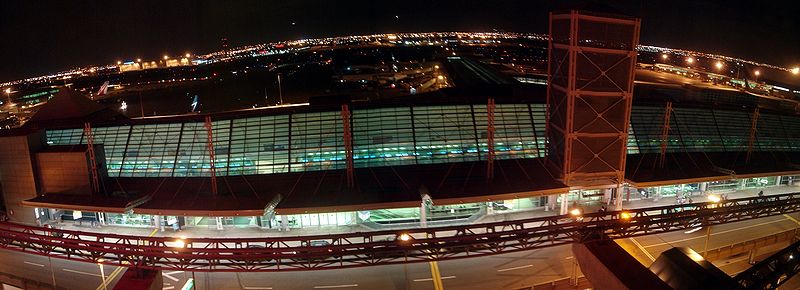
[
  {"x": 718, "y": 65},
  {"x": 138, "y": 60},
  {"x": 576, "y": 212},
  {"x": 166, "y": 57},
  {"x": 180, "y": 243},
  {"x": 664, "y": 56},
  {"x": 119, "y": 62},
  {"x": 7, "y": 91},
  {"x": 188, "y": 55},
  {"x": 796, "y": 70},
  {"x": 757, "y": 72},
  {"x": 715, "y": 198},
  {"x": 625, "y": 215},
  {"x": 690, "y": 60},
  {"x": 404, "y": 237},
  {"x": 440, "y": 77}
]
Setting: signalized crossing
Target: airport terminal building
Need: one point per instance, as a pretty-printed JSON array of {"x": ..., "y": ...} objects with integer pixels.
[{"x": 418, "y": 160}]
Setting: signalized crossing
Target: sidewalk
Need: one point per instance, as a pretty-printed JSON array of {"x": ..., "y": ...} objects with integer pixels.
[{"x": 256, "y": 232}]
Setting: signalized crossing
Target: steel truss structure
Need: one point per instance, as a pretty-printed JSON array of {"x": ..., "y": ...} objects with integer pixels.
[
  {"x": 380, "y": 247},
  {"x": 589, "y": 96},
  {"x": 773, "y": 271}
]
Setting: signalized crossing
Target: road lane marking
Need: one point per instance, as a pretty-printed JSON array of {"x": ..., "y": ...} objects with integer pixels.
[
  {"x": 81, "y": 272},
  {"x": 32, "y": 263},
  {"x": 436, "y": 276},
  {"x": 336, "y": 286},
  {"x": 791, "y": 218},
  {"x": 169, "y": 276},
  {"x": 431, "y": 279},
  {"x": 638, "y": 245},
  {"x": 110, "y": 277},
  {"x": 256, "y": 288},
  {"x": 515, "y": 268},
  {"x": 168, "y": 288},
  {"x": 715, "y": 233},
  {"x": 568, "y": 258},
  {"x": 174, "y": 272}
]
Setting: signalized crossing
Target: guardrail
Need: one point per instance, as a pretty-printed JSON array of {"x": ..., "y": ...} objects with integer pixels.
[{"x": 382, "y": 247}]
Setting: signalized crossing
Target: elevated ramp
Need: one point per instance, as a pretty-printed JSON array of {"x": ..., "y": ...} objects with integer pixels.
[{"x": 608, "y": 266}]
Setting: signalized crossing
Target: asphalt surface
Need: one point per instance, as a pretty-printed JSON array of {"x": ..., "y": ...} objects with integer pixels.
[{"x": 507, "y": 271}]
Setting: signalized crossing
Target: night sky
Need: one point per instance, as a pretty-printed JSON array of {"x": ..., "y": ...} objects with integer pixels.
[{"x": 38, "y": 37}]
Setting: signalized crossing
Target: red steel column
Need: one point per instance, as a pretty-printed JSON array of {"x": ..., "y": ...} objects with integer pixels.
[{"x": 211, "y": 155}]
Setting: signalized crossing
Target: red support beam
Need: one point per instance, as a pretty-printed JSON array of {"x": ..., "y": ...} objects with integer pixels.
[
  {"x": 87, "y": 131},
  {"x": 753, "y": 131},
  {"x": 359, "y": 249},
  {"x": 348, "y": 145},
  {"x": 211, "y": 155},
  {"x": 490, "y": 139},
  {"x": 665, "y": 135}
]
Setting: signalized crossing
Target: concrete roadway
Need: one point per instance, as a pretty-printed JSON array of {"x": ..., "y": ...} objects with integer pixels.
[{"x": 507, "y": 271}]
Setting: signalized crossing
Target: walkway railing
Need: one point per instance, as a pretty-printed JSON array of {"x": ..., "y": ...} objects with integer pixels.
[{"x": 382, "y": 247}]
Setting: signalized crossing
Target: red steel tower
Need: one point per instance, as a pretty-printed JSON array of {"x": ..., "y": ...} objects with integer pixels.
[{"x": 590, "y": 90}]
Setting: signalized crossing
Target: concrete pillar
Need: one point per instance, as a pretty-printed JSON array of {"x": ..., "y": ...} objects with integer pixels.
[
  {"x": 551, "y": 202},
  {"x": 423, "y": 215},
  {"x": 618, "y": 199},
  {"x": 219, "y": 223},
  {"x": 564, "y": 204},
  {"x": 607, "y": 196},
  {"x": 157, "y": 221},
  {"x": 778, "y": 180},
  {"x": 742, "y": 183},
  {"x": 284, "y": 223},
  {"x": 703, "y": 186},
  {"x": 489, "y": 208}
]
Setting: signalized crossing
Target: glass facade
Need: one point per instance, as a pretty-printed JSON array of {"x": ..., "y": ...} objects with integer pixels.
[
  {"x": 400, "y": 136},
  {"x": 313, "y": 141}
]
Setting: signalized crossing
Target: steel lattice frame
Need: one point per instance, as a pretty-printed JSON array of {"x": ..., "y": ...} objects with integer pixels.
[
  {"x": 773, "y": 271},
  {"x": 589, "y": 97},
  {"x": 381, "y": 247}
]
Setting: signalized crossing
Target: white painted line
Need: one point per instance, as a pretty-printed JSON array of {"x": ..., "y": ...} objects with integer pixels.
[
  {"x": 431, "y": 279},
  {"x": 638, "y": 245},
  {"x": 336, "y": 286},
  {"x": 168, "y": 288},
  {"x": 32, "y": 263},
  {"x": 169, "y": 277},
  {"x": 257, "y": 288},
  {"x": 81, "y": 272},
  {"x": 515, "y": 268},
  {"x": 569, "y": 258},
  {"x": 174, "y": 272},
  {"x": 717, "y": 233}
]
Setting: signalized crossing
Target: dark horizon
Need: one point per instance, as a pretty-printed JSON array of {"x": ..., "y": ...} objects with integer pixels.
[{"x": 49, "y": 36}]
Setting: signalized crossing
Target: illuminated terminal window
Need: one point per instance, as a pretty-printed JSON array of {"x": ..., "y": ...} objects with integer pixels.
[{"x": 402, "y": 135}]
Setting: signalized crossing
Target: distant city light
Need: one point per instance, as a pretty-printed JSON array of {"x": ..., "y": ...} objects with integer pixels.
[
  {"x": 664, "y": 56},
  {"x": 7, "y": 90},
  {"x": 119, "y": 62},
  {"x": 718, "y": 65},
  {"x": 123, "y": 106},
  {"x": 690, "y": 60},
  {"x": 188, "y": 55},
  {"x": 166, "y": 57},
  {"x": 796, "y": 70},
  {"x": 757, "y": 72},
  {"x": 138, "y": 60}
]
